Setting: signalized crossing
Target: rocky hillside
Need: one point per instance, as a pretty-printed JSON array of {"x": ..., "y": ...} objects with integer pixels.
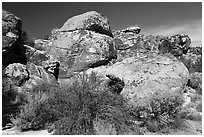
[{"x": 87, "y": 79}]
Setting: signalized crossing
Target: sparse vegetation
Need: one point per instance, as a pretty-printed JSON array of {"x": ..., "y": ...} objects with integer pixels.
[
  {"x": 77, "y": 103},
  {"x": 159, "y": 111},
  {"x": 73, "y": 111}
]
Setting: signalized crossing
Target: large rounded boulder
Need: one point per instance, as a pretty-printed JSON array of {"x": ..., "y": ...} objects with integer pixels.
[
  {"x": 148, "y": 74},
  {"x": 83, "y": 42},
  {"x": 17, "y": 73},
  {"x": 91, "y": 20}
]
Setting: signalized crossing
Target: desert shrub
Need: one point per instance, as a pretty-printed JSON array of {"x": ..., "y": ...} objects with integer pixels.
[
  {"x": 159, "y": 112},
  {"x": 74, "y": 109},
  {"x": 33, "y": 113},
  {"x": 11, "y": 100},
  {"x": 195, "y": 82},
  {"x": 195, "y": 50},
  {"x": 94, "y": 101},
  {"x": 193, "y": 62}
]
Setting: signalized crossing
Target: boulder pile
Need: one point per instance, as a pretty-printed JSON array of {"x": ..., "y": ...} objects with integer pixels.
[{"x": 130, "y": 64}]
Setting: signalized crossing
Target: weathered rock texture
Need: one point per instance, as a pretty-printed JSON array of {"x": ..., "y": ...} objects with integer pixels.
[
  {"x": 83, "y": 42},
  {"x": 91, "y": 20},
  {"x": 148, "y": 74},
  {"x": 28, "y": 78},
  {"x": 176, "y": 45},
  {"x": 12, "y": 48},
  {"x": 35, "y": 56},
  {"x": 17, "y": 73}
]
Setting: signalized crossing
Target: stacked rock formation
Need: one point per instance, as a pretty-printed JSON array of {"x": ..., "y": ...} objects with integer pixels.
[{"x": 84, "y": 41}]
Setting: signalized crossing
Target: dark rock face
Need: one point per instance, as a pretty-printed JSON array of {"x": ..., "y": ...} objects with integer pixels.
[
  {"x": 164, "y": 46},
  {"x": 115, "y": 84},
  {"x": 12, "y": 49},
  {"x": 52, "y": 66},
  {"x": 195, "y": 82},
  {"x": 176, "y": 45}
]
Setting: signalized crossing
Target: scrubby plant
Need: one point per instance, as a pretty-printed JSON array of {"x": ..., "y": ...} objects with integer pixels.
[
  {"x": 159, "y": 111},
  {"x": 195, "y": 82},
  {"x": 11, "y": 100},
  {"x": 193, "y": 62},
  {"x": 94, "y": 101},
  {"x": 33, "y": 113},
  {"x": 73, "y": 110}
]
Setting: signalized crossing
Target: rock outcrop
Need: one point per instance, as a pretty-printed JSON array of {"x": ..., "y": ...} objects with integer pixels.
[
  {"x": 12, "y": 48},
  {"x": 132, "y": 29},
  {"x": 17, "y": 73},
  {"x": 127, "y": 42},
  {"x": 148, "y": 74},
  {"x": 176, "y": 45},
  {"x": 91, "y": 20},
  {"x": 28, "y": 78},
  {"x": 83, "y": 42},
  {"x": 35, "y": 56},
  {"x": 11, "y": 24}
]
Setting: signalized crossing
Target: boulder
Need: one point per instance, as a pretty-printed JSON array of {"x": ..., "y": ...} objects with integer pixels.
[
  {"x": 125, "y": 41},
  {"x": 177, "y": 45},
  {"x": 17, "y": 73},
  {"x": 126, "y": 38},
  {"x": 28, "y": 78},
  {"x": 129, "y": 42},
  {"x": 11, "y": 24},
  {"x": 133, "y": 29},
  {"x": 81, "y": 49},
  {"x": 91, "y": 20},
  {"x": 148, "y": 74},
  {"x": 12, "y": 48},
  {"x": 35, "y": 56}
]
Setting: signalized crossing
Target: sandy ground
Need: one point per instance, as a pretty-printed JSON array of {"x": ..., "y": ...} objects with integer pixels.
[
  {"x": 14, "y": 131},
  {"x": 193, "y": 128}
]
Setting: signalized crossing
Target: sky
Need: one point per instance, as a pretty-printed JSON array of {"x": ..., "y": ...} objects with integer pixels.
[{"x": 163, "y": 18}]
